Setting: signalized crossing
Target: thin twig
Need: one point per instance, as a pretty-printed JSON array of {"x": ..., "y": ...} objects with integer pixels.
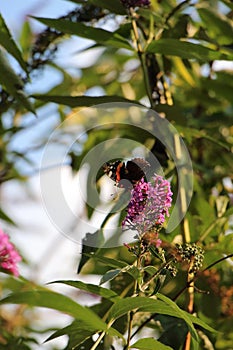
[
  {"x": 141, "y": 56},
  {"x": 131, "y": 313},
  {"x": 98, "y": 341}
]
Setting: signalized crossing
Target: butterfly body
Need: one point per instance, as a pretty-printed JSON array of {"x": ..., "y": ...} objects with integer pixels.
[{"x": 122, "y": 172}]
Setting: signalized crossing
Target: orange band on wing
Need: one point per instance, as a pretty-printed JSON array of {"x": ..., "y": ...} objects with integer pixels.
[{"x": 118, "y": 172}]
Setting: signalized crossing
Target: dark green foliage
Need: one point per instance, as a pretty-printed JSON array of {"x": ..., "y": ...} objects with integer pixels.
[{"x": 171, "y": 56}]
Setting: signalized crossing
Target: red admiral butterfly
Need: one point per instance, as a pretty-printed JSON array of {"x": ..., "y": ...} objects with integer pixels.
[{"x": 133, "y": 171}]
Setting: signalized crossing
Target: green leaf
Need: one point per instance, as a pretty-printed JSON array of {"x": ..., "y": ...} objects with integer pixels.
[
  {"x": 109, "y": 262},
  {"x": 194, "y": 319},
  {"x": 99, "y": 35},
  {"x": 228, "y": 212},
  {"x": 184, "y": 49},
  {"x": 225, "y": 244},
  {"x": 90, "y": 244},
  {"x": 221, "y": 89},
  {"x": 8, "y": 78},
  {"x": 218, "y": 26},
  {"x": 92, "y": 288},
  {"x": 110, "y": 275},
  {"x": 5, "y": 217},
  {"x": 118, "y": 264},
  {"x": 201, "y": 323},
  {"x": 9, "y": 44},
  {"x": 12, "y": 83},
  {"x": 26, "y": 38},
  {"x": 79, "y": 101},
  {"x": 139, "y": 304},
  {"x": 75, "y": 332},
  {"x": 151, "y": 270},
  {"x": 59, "y": 302},
  {"x": 119, "y": 267},
  {"x": 174, "y": 331},
  {"x": 149, "y": 344}
]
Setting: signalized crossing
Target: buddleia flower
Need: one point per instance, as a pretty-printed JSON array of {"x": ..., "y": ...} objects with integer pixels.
[
  {"x": 9, "y": 257},
  {"x": 148, "y": 206}
]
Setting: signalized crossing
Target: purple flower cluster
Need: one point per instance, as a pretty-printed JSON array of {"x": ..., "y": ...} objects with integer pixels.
[
  {"x": 135, "y": 3},
  {"x": 9, "y": 257},
  {"x": 149, "y": 205}
]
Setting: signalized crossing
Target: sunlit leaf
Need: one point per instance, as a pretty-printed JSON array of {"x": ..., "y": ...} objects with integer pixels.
[
  {"x": 184, "y": 49},
  {"x": 59, "y": 302},
  {"x": 26, "y": 39},
  {"x": 229, "y": 212},
  {"x": 226, "y": 244},
  {"x": 218, "y": 26},
  {"x": 99, "y": 35},
  {"x": 7, "y": 41},
  {"x": 149, "y": 344}
]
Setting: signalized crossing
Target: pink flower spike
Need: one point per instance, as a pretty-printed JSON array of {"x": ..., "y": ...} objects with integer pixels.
[
  {"x": 9, "y": 257},
  {"x": 149, "y": 205}
]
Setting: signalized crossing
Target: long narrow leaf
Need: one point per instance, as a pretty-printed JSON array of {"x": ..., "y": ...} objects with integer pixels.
[
  {"x": 12, "y": 83},
  {"x": 184, "y": 49},
  {"x": 123, "y": 306},
  {"x": 149, "y": 344},
  {"x": 99, "y": 35},
  {"x": 7, "y": 41},
  {"x": 80, "y": 101},
  {"x": 59, "y": 302},
  {"x": 218, "y": 26},
  {"x": 78, "y": 334},
  {"x": 5, "y": 217},
  {"x": 92, "y": 288},
  {"x": 194, "y": 319}
]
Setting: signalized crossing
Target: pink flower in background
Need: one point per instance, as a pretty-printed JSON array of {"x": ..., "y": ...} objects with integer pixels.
[
  {"x": 149, "y": 205},
  {"x": 9, "y": 257}
]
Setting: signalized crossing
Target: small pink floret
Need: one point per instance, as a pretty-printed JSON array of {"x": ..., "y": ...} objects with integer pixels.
[{"x": 9, "y": 257}]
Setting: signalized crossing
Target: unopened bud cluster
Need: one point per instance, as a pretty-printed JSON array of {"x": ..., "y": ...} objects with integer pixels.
[
  {"x": 193, "y": 254},
  {"x": 171, "y": 268}
]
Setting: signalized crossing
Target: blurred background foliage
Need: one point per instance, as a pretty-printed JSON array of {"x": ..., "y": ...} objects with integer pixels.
[{"x": 180, "y": 66}]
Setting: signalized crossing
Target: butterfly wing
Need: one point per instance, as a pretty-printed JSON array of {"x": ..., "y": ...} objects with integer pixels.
[
  {"x": 136, "y": 169},
  {"x": 113, "y": 169},
  {"x": 132, "y": 171}
]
